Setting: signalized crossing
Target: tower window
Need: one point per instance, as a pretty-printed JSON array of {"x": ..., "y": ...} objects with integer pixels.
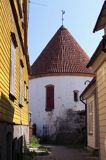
[
  {"x": 76, "y": 95},
  {"x": 49, "y": 98}
]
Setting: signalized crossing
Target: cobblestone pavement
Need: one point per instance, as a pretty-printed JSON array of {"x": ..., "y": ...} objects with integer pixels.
[{"x": 63, "y": 153}]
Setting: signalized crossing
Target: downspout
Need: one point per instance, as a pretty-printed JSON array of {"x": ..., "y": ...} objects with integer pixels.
[{"x": 82, "y": 100}]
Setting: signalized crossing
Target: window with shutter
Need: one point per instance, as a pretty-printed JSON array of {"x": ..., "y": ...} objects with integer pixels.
[
  {"x": 12, "y": 72},
  {"x": 49, "y": 98},
  {"x": 25, "y": 91},
  {"x": 21, "y": 74},
  {"x": 12, "y": 66},
  {"x": 27, "y": 94}
]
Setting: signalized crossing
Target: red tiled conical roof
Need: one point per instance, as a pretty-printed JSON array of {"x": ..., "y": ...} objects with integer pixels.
[{"x": 61, "y": 55}]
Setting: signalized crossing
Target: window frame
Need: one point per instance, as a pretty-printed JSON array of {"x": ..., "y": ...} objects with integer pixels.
[
  {"x": 13, "y": 46},
  {"x": 21, "y": 84},
  {"x": 25, "y": 91}
]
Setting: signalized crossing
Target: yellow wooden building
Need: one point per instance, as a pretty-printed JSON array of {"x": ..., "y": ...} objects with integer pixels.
[
  {"x": 14, "y": 70},
  {"x": 95, "y": 93}
]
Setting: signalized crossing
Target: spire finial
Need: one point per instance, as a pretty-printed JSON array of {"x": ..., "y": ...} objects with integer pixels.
[{"x": 63, "y": 12}]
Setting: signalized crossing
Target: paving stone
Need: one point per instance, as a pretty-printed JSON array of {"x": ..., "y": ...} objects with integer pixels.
[{"x": 64, "y": 153}]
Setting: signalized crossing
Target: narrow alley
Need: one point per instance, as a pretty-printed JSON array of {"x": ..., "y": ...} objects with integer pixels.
[
  {"x": 65, "y": 153},
  {"x": 52, "y": 80}
]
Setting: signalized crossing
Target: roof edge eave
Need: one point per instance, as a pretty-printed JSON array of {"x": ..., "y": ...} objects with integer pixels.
[
  {"x": 87, "y": 88},
  {"x": 61, "y": 74},
  {"x": 95, "y": 54},
  {"x": 98, "y": 19}
]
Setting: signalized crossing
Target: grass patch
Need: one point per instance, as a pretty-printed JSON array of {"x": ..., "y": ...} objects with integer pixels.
[{"x": 36, "y": 149}]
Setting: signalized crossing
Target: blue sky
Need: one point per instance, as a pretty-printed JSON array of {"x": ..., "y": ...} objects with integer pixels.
[{"x": 80, "y": 18}]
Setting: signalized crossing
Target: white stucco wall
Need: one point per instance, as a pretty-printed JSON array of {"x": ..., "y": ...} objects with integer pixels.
[{"x": 63, "y": 99}]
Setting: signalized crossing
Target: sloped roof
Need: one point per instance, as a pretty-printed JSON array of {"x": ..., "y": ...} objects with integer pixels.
[
  {"x": 61, "y": 55},
  {"x": 100, "y": 49},
  {"x": 101, "y": 21},
  {"x": 96, "y": 54}
]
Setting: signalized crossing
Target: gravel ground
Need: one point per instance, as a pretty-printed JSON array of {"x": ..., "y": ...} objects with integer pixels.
[{"x": 63, "y": 153}]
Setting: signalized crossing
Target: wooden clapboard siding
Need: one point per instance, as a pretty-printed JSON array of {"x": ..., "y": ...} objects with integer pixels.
[
  {"x": 91, "y": 137},
  {"x": 10, "y": 110},
  {"x": 91, "y": 98},
  {"x": 101, "y": 93}
]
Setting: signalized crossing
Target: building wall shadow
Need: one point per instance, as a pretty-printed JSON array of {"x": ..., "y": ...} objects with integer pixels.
[{"x": 11, "y": 135}]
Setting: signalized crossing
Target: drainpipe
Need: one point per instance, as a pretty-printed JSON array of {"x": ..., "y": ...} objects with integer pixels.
[{"x": 82, "y": 100}]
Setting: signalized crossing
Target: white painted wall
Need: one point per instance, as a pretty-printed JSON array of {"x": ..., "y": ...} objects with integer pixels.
[{"x": 63, "y": 96}]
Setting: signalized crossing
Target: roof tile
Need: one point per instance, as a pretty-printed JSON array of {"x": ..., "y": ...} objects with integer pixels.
[{"x": 61, "y": 55}]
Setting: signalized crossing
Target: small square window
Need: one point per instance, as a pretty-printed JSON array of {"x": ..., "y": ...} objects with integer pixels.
[{"x": 76, "y": 95}]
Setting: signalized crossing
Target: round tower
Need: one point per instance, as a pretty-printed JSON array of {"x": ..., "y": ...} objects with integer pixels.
[{"x": 57, "y": 79}]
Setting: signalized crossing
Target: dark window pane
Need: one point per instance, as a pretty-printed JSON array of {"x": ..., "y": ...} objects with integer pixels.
[
  {"x": 49, "y": 98},
  {"x": 75, "y": 96}
]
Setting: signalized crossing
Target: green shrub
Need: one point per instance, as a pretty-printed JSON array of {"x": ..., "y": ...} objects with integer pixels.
[{"x": 34, "y": 142}]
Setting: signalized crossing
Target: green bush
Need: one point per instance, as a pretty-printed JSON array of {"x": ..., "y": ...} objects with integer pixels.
[{"x": 34, "y": 142}]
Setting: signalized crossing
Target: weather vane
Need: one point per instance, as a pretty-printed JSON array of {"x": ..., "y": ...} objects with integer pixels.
[{"x": 63, "y": 12}]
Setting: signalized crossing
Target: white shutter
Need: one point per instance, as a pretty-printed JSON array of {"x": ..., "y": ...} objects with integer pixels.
[
  {"x": 21, "y": 73},
  {"x": 27, "y": 94},
  {"x": 25, "y": 91},
  {"x": 12, "y": 71}
]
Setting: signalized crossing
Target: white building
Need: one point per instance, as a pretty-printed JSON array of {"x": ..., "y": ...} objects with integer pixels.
[{"x": 58, "y": 77}]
